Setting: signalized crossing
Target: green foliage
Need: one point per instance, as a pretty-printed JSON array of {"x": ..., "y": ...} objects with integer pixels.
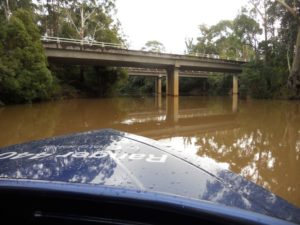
[
  {"x": 260, "y": 80},
  {"x": 24, "y": 4},
  {"x": 271, "y": 57},
  {"x": 80, "y": 19},
  {"x": 219, "y": 84},
  {"x": 104, "y": 81},
  {"x": 229, "y": 39},
  {"x": 154, "y": 46},
  {"x": 193, "y": 86},
  {"x": 254, "y": 81},
  {"x": 84, "y": 20},
  {"x": 24, "y": 76},
  {"x": 139, "y": 85},
  {"x": 94, "y": 81}
]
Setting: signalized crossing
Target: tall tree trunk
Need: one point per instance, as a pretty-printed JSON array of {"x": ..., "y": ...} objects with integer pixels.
[
  {"x": 82, "y": 23},
  {"x": 294, "y": 77},
  {"x": 265, "y": 19},
  {"x": 7, "y": 10},
  {"x": 262, "y": 10}
]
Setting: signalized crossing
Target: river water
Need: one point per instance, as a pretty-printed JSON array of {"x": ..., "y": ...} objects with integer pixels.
[{"x": 259, "y": 139}]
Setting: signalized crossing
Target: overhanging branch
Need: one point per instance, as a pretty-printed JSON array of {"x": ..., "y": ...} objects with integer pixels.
[{"x": 290, "y": 9}]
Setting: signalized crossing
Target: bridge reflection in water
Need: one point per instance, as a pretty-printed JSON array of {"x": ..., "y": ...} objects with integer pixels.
[
  {"x": 154, "y": 117},
  {"x": 258, "y": 139},
  {"x": 168, "y": 120}
]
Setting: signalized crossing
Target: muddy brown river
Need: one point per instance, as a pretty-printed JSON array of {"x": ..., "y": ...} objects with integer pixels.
[{"x": 259, "y": 139}]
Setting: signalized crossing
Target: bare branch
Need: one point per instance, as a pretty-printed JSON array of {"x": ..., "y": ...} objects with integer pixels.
[
  {"x": 289, "y": 8},
  {"x": 72, "y": 21},
  {"x": 89, "y": 15},
  {"x": 97, "y": 28},
  {"x": 257, "y": 9}
]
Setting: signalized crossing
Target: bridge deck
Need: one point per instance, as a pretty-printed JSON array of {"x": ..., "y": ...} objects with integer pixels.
[
  {"x": 97, "y": 55},
  {"x": 66, "y": 51}
]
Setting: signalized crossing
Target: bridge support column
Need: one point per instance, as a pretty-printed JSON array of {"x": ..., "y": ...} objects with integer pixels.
[
  {"x": 158, "y": 101},
  {"x": 158, "y": 85},
  {"x": 235, "y": 85},
  {"x": 235, "y": 100},
  {"x": 173, "y": 81},
  {"x": 172, "y": 109}
]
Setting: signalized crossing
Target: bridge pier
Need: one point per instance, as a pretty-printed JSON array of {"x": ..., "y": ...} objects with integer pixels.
[
  {"x": 235, "y": 85},
  {"x": 158, "y": 101},
  {"x": 172, "y": 109},
  {"x": 235, "y": 99},
  {"x": 158, "y": 86},
  {"x": 173, "y": 81}
]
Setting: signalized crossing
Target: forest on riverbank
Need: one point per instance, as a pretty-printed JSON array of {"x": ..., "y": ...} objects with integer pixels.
[{"x": 265, "y": 32}]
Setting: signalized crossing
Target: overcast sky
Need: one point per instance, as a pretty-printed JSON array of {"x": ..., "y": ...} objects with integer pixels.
[{"x": 171, "y": 21}]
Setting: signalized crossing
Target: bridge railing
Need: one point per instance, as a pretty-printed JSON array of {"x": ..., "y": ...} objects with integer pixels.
[
  {"x": 85, "y": 42},
  {"x": 82, "y": 42},
  {"x": 214, "y": 56}
]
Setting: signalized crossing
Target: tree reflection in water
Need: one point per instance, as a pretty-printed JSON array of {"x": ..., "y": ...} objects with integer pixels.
[
  {"x": 264, "y": 149},
  {"x": 259, "y": 140}
]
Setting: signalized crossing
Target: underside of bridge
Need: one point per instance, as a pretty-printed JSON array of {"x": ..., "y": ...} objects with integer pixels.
[
  {"x": 171, "y": 63},
  {"x": 172, "y": 84}
]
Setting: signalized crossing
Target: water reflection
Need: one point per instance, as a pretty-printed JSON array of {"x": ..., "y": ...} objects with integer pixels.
[
  {"x": 257, "y": 139},
  {"x": 263, "y": 149}
]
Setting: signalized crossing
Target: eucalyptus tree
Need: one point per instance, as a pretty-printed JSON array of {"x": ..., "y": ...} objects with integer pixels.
[
  {"x": 154, "y": 46},
  {"x": 293, "y": 7},
  {"x": 259, "y": 11},
  {"x": 50, "y": 14},
  {"x": 238, "y": 38},
  {"x": 8, "y": 6},
  {"x": 189, "y": 45},
  {"x": 91, "y": 19},
  {"x": 247, "y": 30},
  {"x": 229, "y": 38}
]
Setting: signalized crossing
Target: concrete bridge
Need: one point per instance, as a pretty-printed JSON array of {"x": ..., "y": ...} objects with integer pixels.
[
  {"x": 150, "y": 72},
  {"x": 62, "y": 50},
  {"x": 158, "y": 74}
]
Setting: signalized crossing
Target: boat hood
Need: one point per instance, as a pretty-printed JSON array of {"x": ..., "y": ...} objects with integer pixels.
[{"x": 116, "y": 159}]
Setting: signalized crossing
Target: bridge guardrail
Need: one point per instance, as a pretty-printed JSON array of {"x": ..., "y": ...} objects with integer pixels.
[
  {"x": 82, "y": 42},
  {"x": 214, "y": 56}
]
